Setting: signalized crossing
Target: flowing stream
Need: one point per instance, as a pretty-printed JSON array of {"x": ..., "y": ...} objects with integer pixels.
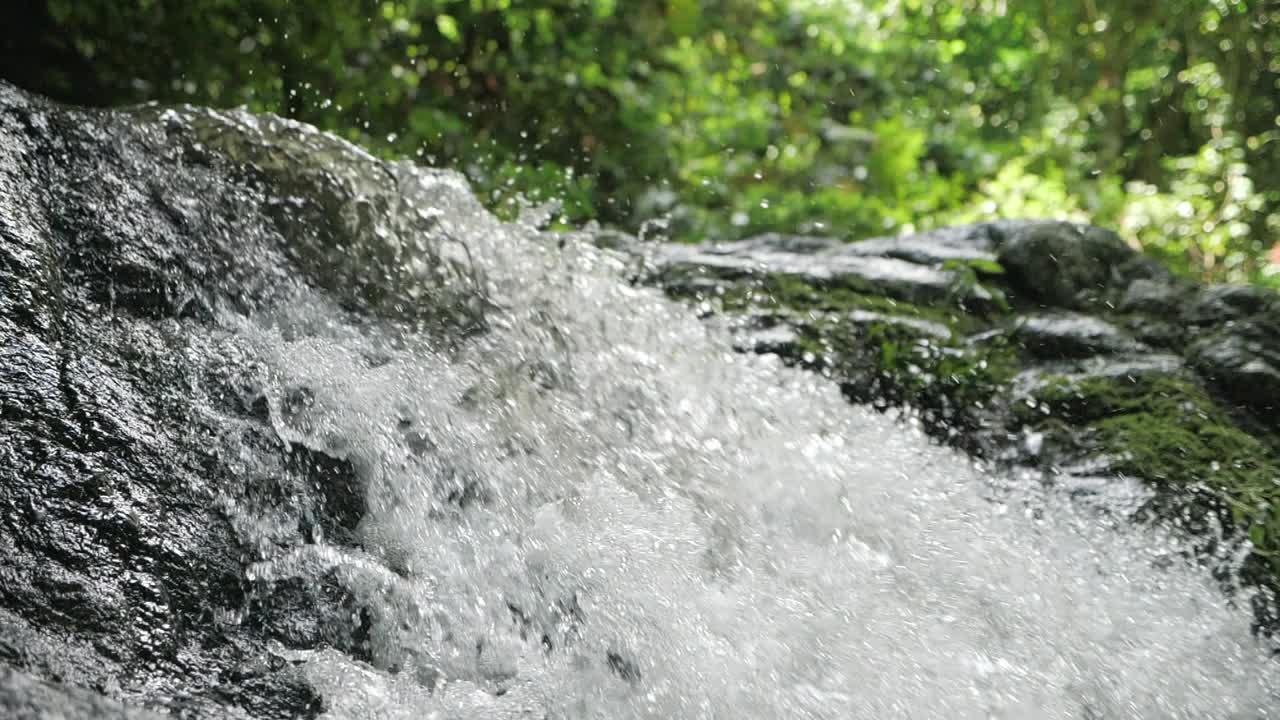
[{"x": 581, "y": 503}]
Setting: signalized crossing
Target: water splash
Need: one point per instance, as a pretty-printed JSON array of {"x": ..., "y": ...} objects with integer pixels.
[{"x": 580, "y": 503}]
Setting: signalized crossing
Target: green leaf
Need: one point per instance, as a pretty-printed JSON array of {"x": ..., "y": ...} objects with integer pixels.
[
  {"x": 986, "y": 267},
  {"x": 448, "y": 27},
  {"x": 604, "y": 8},
  {"x": 685, "y": 16}
]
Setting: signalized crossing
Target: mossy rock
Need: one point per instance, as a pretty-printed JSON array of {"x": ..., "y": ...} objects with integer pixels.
[
  {"x": 1171, "y": 432},
  {"x": 883, "y": 351},
  {"x": 1133, "y": 387}
]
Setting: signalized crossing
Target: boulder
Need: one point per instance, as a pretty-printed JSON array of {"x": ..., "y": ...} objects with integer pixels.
[
  {"x": 1221, "y": 303},
  {"x": 1063, "y": 334},
  {"x": 126, "y": 417},
  {"x": 1152, "y": 297},
  {"x": 1245, "y": 363},
  {"x": 1061, "y": 264}
]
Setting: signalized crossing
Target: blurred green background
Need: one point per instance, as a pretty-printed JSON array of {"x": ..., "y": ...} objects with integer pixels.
[{"x": 723, "y": 118}]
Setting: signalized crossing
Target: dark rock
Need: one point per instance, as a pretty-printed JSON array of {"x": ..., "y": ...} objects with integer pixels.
[
  {"x": 1127, "y": 368},
  {"x": 780, "y": 243},
  {"x": 1053, "y": 404},
  {"x": 121, "y": 571},
  {"x": 689, "y": 281},
  {"x": 623, "y": 668},
  {"x": 1155, "y": 297},
  {"x": 970, "y": 243},
  {"x": 895, "y": 278},
  {"x": 25, "y": 697},
  {"x": 1219, "y": 303},
  {"x": 1145, "y": 267},
  {"x": 341, "y": 493},
  {"x": 1063, "y": 335},
  {"x": 1060, "y": 264},
  {"x": 814, "y": 260},
  {"x": 1244, "y": 362},
  {"x": 1163, "y": 331}
]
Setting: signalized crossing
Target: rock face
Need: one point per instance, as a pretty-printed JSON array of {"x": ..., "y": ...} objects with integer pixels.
[
  {"x": 121, "y": 563},
  {"x": 1031, "y": 343}
]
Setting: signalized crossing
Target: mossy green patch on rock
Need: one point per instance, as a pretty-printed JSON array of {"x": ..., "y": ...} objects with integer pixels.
[
  {"x": 882, "y": 351},
  {"x": 888, "y": 363},
  {"x": 1171, "y": 432},
  {"x": 782, "y": 291}
]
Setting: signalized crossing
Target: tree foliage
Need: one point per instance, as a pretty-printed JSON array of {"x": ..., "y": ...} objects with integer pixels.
[{"x": 728, "y": 117}]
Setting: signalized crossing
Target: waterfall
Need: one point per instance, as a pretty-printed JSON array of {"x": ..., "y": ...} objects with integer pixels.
[
  {"x": 595, "y": 508},
  {"x": 573, "y": 499}
]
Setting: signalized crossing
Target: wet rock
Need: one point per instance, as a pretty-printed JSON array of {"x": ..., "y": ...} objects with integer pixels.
[
  {"x": 814, "y": 260},
  {"x": 1104, "y": 492},
  {"x": 1245, "y": 363},
  {"x": 125, "y": 434},
  {"x": 1162, "y": 332},
  {"x": 689, "y": 281},
  {"x": 1163, "y": 427},
  {"x": 623, "y": 668},
  {"x": 780, "y": 340},
  {"x": 613, "y": 239},
  {"x": 1063, "y": 335},
  {"x": 1154, "y": 297},
  {"x": 895, "y": 278},
  {"x": 1060, "y": 264},
  {"x": 1220, "y": 303},
  {"x": 970, "y": 243},
  {"x": 780, "y": 243},
  {"x": 340, "y": 493},
  {"x": 25, "y": 697},
  {"x": 1131, "y": 369},
  {"x": 922, "y": 328}
]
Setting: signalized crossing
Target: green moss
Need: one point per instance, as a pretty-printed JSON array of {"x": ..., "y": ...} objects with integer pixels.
[
  {"x": 889, "y": 363},
  {"x": 1171, "y": 432},
  {"x": 779, "y": 290}
]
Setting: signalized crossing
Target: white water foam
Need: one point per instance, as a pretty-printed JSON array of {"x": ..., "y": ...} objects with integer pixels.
[{"x": 597, "y": 510}]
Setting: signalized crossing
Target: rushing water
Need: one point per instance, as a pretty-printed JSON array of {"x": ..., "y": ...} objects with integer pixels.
[{"x": 582, "y": 504}]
